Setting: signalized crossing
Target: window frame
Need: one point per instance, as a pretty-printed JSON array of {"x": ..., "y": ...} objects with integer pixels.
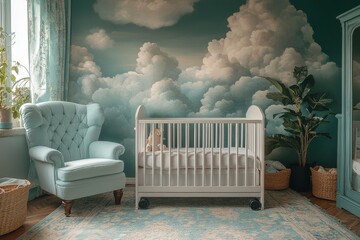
[{"x": 6, "y": 24}]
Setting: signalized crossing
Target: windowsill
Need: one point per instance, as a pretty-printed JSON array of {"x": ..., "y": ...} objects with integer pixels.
[{"x": 12, "y": 132}]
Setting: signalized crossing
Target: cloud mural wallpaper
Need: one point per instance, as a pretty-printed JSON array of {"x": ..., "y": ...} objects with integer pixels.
[{"x": 195, "y": 58}]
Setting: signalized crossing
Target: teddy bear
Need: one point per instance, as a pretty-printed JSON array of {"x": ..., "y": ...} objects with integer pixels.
[{"x": 156, "y": 141}]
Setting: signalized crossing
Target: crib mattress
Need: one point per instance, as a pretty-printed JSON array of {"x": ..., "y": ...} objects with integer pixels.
[
  {"x": 209, "y": 158},
  {"x": 199, "y": 178}
]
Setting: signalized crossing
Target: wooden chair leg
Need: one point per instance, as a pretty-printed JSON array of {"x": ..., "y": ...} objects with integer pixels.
[
  {"x": 118, "y": 195},
  {"x": 67, "y": 207}
]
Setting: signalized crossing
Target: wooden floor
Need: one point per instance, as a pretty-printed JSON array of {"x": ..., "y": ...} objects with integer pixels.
[{"x": 41, "y": 207}]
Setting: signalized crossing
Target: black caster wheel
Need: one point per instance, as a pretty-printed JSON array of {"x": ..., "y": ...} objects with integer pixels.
[
  {"x": 144, "y": 203},
  {"x": 255, "y": 204}
]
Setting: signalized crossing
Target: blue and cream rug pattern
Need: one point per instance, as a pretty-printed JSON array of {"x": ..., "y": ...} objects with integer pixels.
[{"x": 287, "y": 215}]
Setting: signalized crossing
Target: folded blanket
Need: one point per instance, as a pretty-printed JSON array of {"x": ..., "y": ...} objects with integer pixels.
[{"x": 12, "y": 181}]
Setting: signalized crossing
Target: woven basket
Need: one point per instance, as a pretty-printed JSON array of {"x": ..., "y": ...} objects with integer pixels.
[
  {"x": 13, "y": 207},
  {"x": 323, "y": 184},
  {"x": 278, "y": 180}
]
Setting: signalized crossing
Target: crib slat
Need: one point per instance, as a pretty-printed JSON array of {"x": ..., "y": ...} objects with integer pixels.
[
  {"x": 195, "y": 154},
  {"x": 242, "y": 136},
  {"x": 216, "y": 135},
  {"x": 203, "y": 155},
  {"x": 237, "y": 153},
  {"x": 246, "y": 152},
  {"x": 186, "y": 152},
  {"x": 144, "y": 155},
  {"x": 229, "y": 148},
  {"x": 218, "y": 151},
  {"x": 178, "y": 152},
  {"x": 153, "y": 154},
  {"x": 161, "y": 154},
  {"x": 212, "y": 155},
  {"x": 170, "y": 126},
  {"x": 255, "y": 152}
]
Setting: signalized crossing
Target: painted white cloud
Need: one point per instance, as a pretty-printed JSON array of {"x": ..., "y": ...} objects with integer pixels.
[
  {"x": 155, "y": 63},
  {"x": 85, "y": 74},
  {"x": 153, "y": 84},
  {"x": 265, "y": 38},
  {"x": 166, "y": 99},
  {"x": 82, "y": 62},
  {"x": 99, "y": 40},
  {"x": 275, "y": 124},
  {"x": 259, "y": 98},
  {"x": 152, "y": 14}
]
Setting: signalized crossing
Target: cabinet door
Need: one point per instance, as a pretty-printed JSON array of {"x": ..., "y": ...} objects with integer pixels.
[
  {"x": 348, "y": 178},
  {"x": 355, "y": 160}
]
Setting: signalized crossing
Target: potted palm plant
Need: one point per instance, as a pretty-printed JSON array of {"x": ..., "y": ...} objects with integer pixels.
[
  {"x": 13, "y": 92},
  {"x": 304, "y": 111}
]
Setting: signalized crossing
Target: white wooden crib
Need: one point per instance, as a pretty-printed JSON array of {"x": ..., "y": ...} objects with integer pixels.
[{"x": 200, "y": 157}]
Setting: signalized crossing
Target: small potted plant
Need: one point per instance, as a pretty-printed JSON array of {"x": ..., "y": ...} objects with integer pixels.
[
  {"x": 304, "y": 111},
  {"x": 13, "y": 92}
]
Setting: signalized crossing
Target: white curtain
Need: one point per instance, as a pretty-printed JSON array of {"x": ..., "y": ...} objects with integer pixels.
[
  {"x": 48, "y": 30},
  {"x": 48, "y": 51}
]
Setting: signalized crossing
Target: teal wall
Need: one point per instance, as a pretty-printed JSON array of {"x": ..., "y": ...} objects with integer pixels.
[
  {"x": 202, "y": 58},
  {"x": 14, "y": 160}
]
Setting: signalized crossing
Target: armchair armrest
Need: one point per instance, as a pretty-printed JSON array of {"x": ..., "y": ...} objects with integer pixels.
[
  {"x": 46, "y": 154},
  {"x": 105, "y": 149}
]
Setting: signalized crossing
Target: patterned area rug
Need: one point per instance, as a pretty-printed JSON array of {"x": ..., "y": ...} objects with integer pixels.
[{"x": 287, "y": 215}]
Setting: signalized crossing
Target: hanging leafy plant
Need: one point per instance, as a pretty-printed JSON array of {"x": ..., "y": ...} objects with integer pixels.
[
  {"x": 13, "y": 92},
  {"x": 304, "y": 111}
]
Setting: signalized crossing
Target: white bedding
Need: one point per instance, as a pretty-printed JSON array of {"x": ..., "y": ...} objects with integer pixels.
[{"x": 198, "y": 158}]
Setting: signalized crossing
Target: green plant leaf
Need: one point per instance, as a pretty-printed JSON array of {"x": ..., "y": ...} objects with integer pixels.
[
  {"x": 300, "y": 73},
  {"x": 295, "y": 91},
  {"x": 12, "y": 91},
  {"x": 306, "y": 85},
  {"x": 283, "y": 89},
  {"x": 310, "y": 111},
  {"x": 318, "y": 102},
  {"x": 276, "y": 96}
]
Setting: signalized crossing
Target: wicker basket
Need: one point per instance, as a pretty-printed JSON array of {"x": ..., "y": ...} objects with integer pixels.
[
  {"x": 278, "y": 180},
  {"x": 323, "y": 184},
  {"x": 13, "y": 207}
]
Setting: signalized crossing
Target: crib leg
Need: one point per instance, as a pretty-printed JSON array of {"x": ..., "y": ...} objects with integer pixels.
[
  {"x": 255, "y": 204},
  {"x": 144, "y": 203}
]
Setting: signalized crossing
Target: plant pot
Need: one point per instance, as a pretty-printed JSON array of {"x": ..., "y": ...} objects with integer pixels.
[
  {"x": 300, "y": 178},
  {"x": 5, "y": 118}
]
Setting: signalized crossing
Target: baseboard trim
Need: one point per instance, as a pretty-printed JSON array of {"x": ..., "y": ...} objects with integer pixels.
[{"x": 130, "y": 180}]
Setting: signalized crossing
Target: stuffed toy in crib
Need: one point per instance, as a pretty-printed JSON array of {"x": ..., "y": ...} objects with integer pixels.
[{"x": 154, "y": 140}]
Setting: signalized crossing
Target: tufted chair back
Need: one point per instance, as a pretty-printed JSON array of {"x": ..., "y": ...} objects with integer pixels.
[{"x": 65, "y": 126}]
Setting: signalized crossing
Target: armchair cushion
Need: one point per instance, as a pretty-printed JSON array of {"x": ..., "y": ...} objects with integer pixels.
[{"x": 89, "y": 168}]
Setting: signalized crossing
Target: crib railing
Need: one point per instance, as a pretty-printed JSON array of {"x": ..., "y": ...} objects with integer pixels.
[
  {"x": 182, "y": 137},
  {"x": 200, "y": 157}
]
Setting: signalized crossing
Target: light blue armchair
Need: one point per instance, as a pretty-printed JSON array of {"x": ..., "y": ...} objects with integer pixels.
[{"x": 70, "y": 161}]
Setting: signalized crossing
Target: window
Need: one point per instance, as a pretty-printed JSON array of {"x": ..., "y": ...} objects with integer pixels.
[
  {"x": 14, "y": 22},
  {"x": 19, "y": 26},
  {"x": 13, "y": 19}
]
